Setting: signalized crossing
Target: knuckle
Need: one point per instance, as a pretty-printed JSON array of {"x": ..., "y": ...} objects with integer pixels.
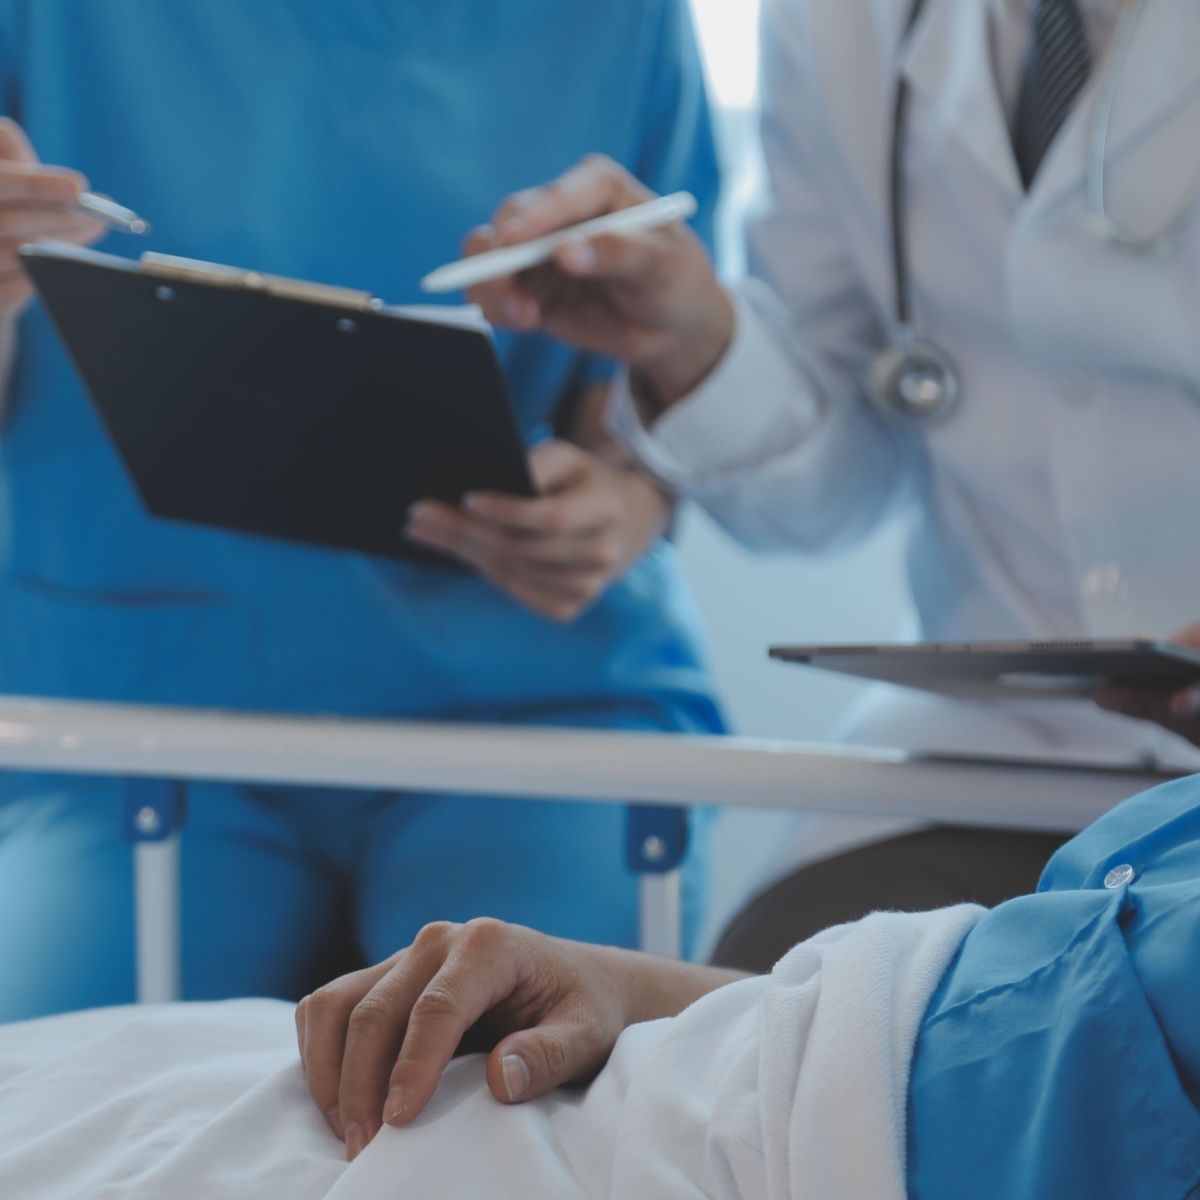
[
  {"x": 505, "y": 213},
  {"x": 369, "y": 1018},
  {"x": 438, "y": 1001},
  {"x": 322, "y": 1002},
  {"x": 434, "y": 936},
  {"x": 481, "y": 238},
  {"x": 601, "y": 164},
  {"x": 555, "y": 1059},
  {"x": 484, "y": 931},
  {"x": 591, "y": 1030},
  {"x": 517, "y": 203}
]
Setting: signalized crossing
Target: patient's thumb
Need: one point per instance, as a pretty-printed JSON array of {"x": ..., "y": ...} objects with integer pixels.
[{"x": 535, "y": 1061}]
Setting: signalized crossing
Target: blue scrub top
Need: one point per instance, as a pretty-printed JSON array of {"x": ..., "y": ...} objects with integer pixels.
[
  {"x": 352, "y": 142},
  {"x": 1061, "y": 1055}
]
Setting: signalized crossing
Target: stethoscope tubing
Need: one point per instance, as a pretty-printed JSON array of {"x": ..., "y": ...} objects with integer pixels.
[
  {"x": 905, "y": 346},
  {"x": 1102, "y": 220}
]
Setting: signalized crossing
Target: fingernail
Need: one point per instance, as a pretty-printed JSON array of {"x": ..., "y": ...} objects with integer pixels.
[
  {"x": 335, "y": 1121},
  {"x": 517, "y": 1078},
  {"x": 355, "y": 1140},
  {"x": 395, "y": 1106},
  {"x": 579, "y": 256}
]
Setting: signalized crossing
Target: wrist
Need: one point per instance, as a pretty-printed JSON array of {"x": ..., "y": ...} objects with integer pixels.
[
  {"x": 676, "y": 368},
  {"x": 651, "y": 988}
]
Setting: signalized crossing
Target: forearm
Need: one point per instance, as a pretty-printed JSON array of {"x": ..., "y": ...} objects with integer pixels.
[{"x": 778, "y": 444}]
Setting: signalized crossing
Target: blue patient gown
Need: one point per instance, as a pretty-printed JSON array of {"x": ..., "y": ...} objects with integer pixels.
[
  {"x": 350, "y": 142},
  {"x": 1061, "y": 1056}
]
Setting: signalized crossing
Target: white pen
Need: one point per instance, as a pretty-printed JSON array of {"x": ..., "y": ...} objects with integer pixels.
[
  {"x": 495, "y": 264},
  {"x": 112, "y": 214}
]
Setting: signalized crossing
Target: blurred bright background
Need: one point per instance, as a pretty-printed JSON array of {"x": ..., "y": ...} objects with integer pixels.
[{"x": 749, "y": 601}]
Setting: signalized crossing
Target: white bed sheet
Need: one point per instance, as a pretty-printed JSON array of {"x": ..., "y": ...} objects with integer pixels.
[{"x": 783, "y": 1087}]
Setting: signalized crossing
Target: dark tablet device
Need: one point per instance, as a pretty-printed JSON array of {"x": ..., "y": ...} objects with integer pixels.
[
  {"x": 277, "y": 407},
  {"x": 1006, "y": 670}
]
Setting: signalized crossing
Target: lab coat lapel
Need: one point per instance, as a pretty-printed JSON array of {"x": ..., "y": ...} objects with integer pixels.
[
  {"x": 949, "y": 60},
  {"x": 1161, "y": 70}
]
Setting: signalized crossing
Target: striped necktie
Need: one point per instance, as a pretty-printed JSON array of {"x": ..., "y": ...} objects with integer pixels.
[{"x": 1056, "y": 70}]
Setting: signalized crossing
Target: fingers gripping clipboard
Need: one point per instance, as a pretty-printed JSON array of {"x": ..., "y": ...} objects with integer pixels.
[{"x": 280, "y": 408}]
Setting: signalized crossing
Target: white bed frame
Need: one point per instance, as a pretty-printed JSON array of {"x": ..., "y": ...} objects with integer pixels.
[{"x": 157, "y": 749}]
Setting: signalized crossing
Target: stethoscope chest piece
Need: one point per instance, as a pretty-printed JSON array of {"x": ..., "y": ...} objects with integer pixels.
[{"x": 914, "y": 382}]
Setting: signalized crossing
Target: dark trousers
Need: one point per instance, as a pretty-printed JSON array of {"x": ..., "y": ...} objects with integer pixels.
[{"x": 929, "y": 869}]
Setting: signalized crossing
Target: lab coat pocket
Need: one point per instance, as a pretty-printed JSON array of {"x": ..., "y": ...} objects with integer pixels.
[{"x": 150, "y": 649}]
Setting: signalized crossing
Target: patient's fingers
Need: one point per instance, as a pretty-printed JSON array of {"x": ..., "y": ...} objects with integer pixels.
[
  {"x": 376, "y": 1030},
  {"x": 321, "y": 1021},
  {"x": 567, "y": 1047},
  {"x": 474, "y": 979}
]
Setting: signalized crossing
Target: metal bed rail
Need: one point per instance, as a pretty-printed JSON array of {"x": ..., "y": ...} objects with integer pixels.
[{"x": 156, "y": 750}]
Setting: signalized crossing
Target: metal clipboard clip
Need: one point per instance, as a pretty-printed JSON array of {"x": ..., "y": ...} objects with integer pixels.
[{"x": 194, "y": 270}]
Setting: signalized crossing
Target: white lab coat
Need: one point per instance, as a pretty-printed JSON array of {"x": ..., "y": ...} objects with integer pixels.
[{"x": 1059, "y": 502}]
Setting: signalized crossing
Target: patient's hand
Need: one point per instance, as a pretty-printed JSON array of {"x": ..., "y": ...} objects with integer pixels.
[
  {"x": 556, "y": 553},
  {"x": 374, "y": 1043},
  {"x": 1177, "y": 711}
]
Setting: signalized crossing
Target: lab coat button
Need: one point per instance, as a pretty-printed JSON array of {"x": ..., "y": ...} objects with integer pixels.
[{"x": 1118, "y": 877}]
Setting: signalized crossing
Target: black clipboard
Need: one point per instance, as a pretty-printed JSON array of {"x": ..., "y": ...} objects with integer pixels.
[
  {"x": 1010, "y": 670},
  {"x": 277, "y": 407}
]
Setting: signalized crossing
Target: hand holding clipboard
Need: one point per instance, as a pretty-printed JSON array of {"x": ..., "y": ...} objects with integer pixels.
[{"x": 296, "y": 410}]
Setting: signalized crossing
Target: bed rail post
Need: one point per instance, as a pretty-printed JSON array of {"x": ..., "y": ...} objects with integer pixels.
[
  {"x": 154, "y": 812},
  {"x": 656, "y": 843}
]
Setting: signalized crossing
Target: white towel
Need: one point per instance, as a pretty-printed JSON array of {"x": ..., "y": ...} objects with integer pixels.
[{"x": 791, "y": 1086}]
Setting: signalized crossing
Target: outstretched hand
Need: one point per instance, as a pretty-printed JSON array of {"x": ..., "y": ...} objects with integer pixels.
[
  {"x": 650, "y": 299},
  {"x": 374, "y": 1043}
]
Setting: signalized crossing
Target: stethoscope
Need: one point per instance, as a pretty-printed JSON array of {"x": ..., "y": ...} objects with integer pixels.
[{"x": 914, "y": 381}]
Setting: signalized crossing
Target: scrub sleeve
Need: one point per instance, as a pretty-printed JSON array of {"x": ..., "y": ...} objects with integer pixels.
[{"x": 409, "y": 117}]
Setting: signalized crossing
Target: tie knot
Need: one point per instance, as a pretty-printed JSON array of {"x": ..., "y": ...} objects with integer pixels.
[
  {"x": 1056, "y": 71},
  {"x": 1044, "y": 9}
]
